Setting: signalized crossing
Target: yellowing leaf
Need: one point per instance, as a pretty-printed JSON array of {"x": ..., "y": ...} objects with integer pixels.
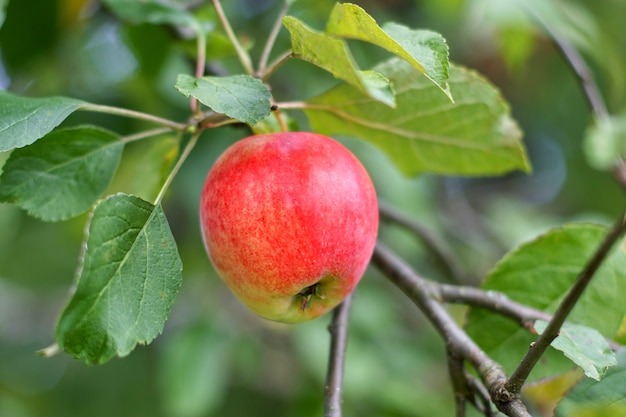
[
  {"x": 332, "y": 54},
  {"x": 425, "y": 50}
]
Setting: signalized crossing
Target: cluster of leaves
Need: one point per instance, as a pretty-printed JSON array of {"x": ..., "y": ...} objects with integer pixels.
[
  {"x": 426, "y": 114},
  {"x": 130, "y": 270}
]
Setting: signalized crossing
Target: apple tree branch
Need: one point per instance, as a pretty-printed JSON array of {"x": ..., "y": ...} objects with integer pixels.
[
  {"x": 338, "y": 329},
  {"x": 536, "y": 350},
  {"x": 426, "y": 296}
]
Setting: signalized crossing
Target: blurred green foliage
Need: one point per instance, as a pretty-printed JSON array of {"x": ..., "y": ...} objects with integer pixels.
[{"x": 214, "y": 357}]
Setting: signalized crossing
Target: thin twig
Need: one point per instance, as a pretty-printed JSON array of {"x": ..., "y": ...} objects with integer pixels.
[
  {"x": 491, "y": 300},
  {"x": 271, "y": 39},
  {"x": 334, "y": 378},
  {"x": 578, "y": 66},
  {"x": 481, "y": 399},
  {"x": 588, "y": 83},
  {"x": 275, "y": 64},
  {"x": 145, "y": 134},
  {"x": 181, "y": 159},
  {"x": 437, "y": 249},
  {"x": 244, "y": 58},
  {"x": 425, "y": 297},
  {"x": 118, "y": 111},
  {"x": 456, "y": 369},
  {"x": 200, "y": 67},
  {"x": 536, "y": 350}
]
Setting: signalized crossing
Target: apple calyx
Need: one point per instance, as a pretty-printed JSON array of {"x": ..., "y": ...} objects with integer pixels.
[{"x": 309, "y": 292}]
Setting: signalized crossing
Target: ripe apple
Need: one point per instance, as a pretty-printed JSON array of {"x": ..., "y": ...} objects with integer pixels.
[{"x": 289, "y": 221}]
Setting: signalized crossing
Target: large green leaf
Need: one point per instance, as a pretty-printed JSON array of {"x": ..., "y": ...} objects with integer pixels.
[
  {"x": 332, "y": 54},
  {"x": 426, "y": 132},
  {"x": 540, "y": 273},
  {"x": 63, "y": 174},
  {"x": 240, "y": 97},
  {"x": 130, "y": 276},
  {"x": 23, "y": 120},
  {"x": 591, "y": 398},
  {"x": 425, "y": 50}
]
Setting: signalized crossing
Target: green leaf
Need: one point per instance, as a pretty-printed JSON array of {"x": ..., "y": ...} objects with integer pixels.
[
  {"x": 23, "y": 120},
  {"x": 425, "y": 50},
  {"x": 539, "y": 273},
  {"x": 130, "y": 276},
  {"x": 155, "y": 12},
  {"x": 332, "y": 54},
  {"x": 605, "y": 142},
  {"x": 427, "y": 132},
  {"x": 240, "y": 97},
  {"x": 591, "y": 398},
  {"x": 63, "y": 174},
  {"x": 584, "y": 346}
]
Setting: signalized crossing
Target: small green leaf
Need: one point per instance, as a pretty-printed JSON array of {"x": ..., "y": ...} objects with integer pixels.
[
  {"x": 63, "y": 174},
  {"x": 584, "y": 346},
  {"x": 130, "y": 276},
  {"x": 332, "y": 54},
  {"x": 605, "y": 142},
  {"x": 539, "y": 274},
  {"x": 240, "y": 97},
  {"x": 427, "y": 132},
  {"x": 155, "y": 12},
  {"x": 590, "y": 398},
  {"x": 425, "y": 50},
  {"x": 23, "y": 120}
]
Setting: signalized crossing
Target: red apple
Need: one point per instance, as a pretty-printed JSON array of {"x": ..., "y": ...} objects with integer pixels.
[{"x": 289, "y": 221}]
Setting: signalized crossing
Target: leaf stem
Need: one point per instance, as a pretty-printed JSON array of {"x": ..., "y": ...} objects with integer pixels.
[
  {"x": 271, "y": 39},
  {"x": 275, "y": 64},
  {"x": 536, "y": 350},
  {"x": 183, "y": 156},
  {"x": 118, "y": 111},
  {"x": 334, "y": 378},
  {"x": 145, "y": 134},
  {"x": 200, "y": 64},
  {"x": 244, "y": 58}
]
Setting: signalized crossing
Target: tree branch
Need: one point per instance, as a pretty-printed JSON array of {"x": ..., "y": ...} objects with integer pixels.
[
  {"x": 491, "y": 300},
  {"x": 244, "y": 58},
  {"x": 425, "y": 297},
  {"x": 437, "y": 249},
  {"x": 271, "y": 39},
  {"x": 462, "y": 392},
  {"x": 338, "y": 329},
  {"x": 536, "y": 350},
  {"x": 578, "y": 66}
]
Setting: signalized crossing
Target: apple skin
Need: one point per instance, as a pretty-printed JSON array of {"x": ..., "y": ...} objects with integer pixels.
[{"x": 289, "y": 221}]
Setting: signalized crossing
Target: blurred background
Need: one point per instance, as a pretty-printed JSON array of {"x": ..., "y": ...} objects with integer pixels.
[{"x": 215, "y": 358}]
